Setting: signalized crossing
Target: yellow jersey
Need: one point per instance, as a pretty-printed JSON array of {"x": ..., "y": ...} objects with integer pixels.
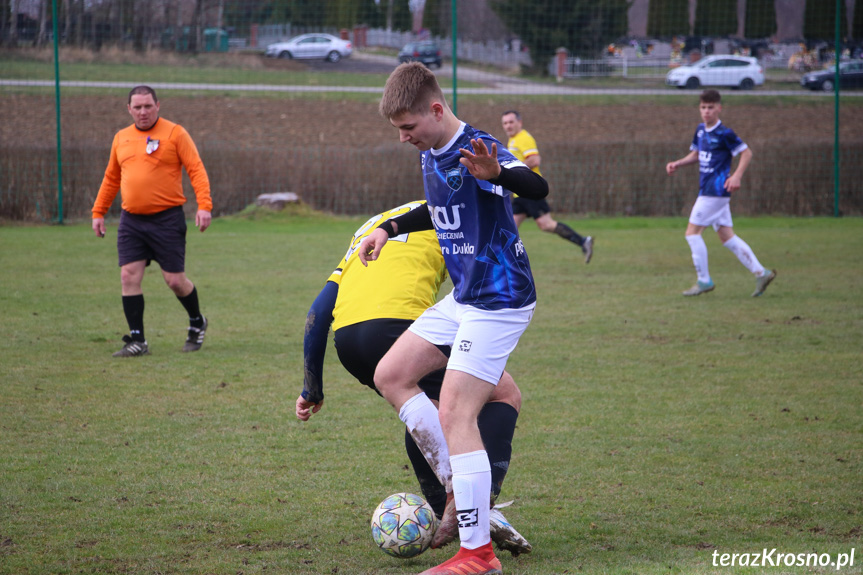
[
  {"x": 522, "y": 146},
  {"x": 401, "y": 284}
]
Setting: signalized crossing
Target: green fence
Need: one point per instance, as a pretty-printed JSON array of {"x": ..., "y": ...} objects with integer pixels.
[{"x": 589, "y": 79}]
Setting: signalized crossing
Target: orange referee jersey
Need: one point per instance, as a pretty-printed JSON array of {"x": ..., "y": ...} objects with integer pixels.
[{"x": 147, "y": 168}]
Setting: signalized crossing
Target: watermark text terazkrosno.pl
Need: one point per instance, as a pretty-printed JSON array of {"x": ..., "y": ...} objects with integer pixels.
[{"x": 775, "y": 558}]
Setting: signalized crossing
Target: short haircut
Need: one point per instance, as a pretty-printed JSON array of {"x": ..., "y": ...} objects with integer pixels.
[
  {"x": 143, "y": 91},
  {"x": 514, "y": 113},
  {"x": 710, "y": 97},
  {"x": 411, "y": 87}
]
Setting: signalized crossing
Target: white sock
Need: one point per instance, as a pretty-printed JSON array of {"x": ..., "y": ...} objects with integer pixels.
[
  {"x": 699, "y": 257},
  {"x": 745, "y": 254},
  {"x": 471, "y": 486},
  {"x": 420, "y": 416}
]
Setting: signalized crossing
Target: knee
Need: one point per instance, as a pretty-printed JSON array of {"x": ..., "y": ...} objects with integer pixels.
[
  {"x": 547, "y": 224},
  {"x": 451, "y": 422},
  {"x": 129, "y": 278},
  {"x": 507, "y": 392},
  {"x": 388, "y": 381},
  {"x": 176, "y": 285}
]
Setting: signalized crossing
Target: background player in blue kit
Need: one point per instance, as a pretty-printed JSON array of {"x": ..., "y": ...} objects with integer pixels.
[
  {"x": 713, "y": 147},
  {"x": 468, "y": 176}
]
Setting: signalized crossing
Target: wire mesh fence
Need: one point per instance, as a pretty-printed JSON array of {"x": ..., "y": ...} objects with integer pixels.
[{"x": 281, "y": 96}]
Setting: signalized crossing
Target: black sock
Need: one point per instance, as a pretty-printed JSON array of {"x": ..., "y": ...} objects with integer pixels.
[
  {"x": 568, "y": 233},
  {"x": 133, "y": 307},
  {"x": 496, "y": 426},
  {"x": 190, "y": 302},
  {"x": 432, "y": 490}
]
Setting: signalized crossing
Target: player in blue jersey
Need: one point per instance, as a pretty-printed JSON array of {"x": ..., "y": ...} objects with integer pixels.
[
  {"x": 368, "y": 309},
  {"x": 713, "y": 147},
  {"x": 468, "y": 177}
]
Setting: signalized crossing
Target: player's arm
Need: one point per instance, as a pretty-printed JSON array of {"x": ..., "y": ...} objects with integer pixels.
[
  {"x": 107, "y": 191},
  {"x": 191, "y": 160},
  {"x": 732, "y": 184},
  {"x": 532, "y": 161},
  {"x": 416, "y": 220},
  {"x": 690, "y": 158},
  {"x": 318, "y": 322},
  {"x": 523, "y": 181},
  {"x": 483, "y": 164}
]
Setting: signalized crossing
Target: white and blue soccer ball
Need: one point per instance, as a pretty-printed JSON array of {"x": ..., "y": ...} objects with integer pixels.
[{"x": 403, "y": 525}]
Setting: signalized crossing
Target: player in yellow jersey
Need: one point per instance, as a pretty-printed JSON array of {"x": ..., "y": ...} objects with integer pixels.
[
  {"x": 369, "y": 308},
  {"x": 522, "y": 145}
]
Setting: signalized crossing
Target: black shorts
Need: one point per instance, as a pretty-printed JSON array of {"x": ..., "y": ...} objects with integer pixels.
[
  {"x": 533, "y": 208},
  {"x": 362, "y": 345},
  {"x": 160, "y": 237}
]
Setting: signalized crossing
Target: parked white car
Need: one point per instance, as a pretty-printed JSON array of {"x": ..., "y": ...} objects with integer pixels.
[
  {"x": 311, "y": 46},
  {"x": 718, "y": 70}
]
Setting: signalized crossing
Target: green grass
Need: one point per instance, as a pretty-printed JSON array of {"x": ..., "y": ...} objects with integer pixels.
[
  {"x": 247, "y": 68},
  {"x": 655, "y": 430},
  {"x": 191, "y": 71}
]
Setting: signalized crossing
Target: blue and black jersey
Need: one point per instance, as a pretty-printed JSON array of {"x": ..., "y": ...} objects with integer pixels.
[
  {"x": 716, "y": 147},
  {"x": 473, "y": 220}
]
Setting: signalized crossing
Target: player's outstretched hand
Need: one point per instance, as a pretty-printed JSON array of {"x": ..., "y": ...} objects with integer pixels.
[
  {"x": 481, "y": 163},
  {"x": 671, "y": 167},
  {"x": 305, "y": 408},
  {"x": 370, "y": 248}
]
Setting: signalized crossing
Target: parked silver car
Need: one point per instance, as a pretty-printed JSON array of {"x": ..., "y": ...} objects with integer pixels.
[
  {"x": 311, "y": 46},
  {"x": 718, "y": 70}
]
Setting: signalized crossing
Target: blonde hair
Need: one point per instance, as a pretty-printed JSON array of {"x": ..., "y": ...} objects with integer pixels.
[{"x": 410, "y": 88}]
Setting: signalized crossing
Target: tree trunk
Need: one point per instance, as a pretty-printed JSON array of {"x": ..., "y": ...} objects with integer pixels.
[
  {"x": 42, "y": 38},
  {"x": 13, "y": 24},
  {"x": 67, "y": 24},
  {"x": 78, "y": 23},
  {"x": 197, "y": 33},
  {"x": 4, "y": 22}
]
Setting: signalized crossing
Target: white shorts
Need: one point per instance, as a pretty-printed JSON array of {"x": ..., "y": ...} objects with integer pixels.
[
  {"x": 481, "y": 339},
  {"x": 711, "y": 211}
]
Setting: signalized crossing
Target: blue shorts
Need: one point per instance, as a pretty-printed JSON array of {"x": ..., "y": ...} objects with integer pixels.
[{"x": 160, "y": 237}]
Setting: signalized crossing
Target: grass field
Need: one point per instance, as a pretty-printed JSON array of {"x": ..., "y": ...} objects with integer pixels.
[{"x": 656, "y": 429}]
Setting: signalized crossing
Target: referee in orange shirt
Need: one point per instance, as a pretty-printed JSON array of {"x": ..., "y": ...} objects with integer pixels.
[{"x": 146, "y": 166}]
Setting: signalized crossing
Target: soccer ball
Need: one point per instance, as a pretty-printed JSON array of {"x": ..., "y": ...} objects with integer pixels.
[{"x": 403, "y": 525}]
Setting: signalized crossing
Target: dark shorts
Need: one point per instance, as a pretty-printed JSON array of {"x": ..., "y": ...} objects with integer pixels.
[
  {"x": 160, "y": 237},
  {"x": 533, "y": 208},
  {"x": 362, "y": 345}
]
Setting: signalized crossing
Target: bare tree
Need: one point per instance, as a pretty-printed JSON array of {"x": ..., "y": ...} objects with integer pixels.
[
  {"x": 13, "y": 23},
  {"x": 197, "y": 36},
  {"x": 42, "y": 38},
  {"x": 4, "y": 21},
  {"x": 67, "y": 23},
  {"x": 78, "y": 22}
]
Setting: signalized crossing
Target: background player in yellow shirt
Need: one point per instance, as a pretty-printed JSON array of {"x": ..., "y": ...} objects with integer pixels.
[
  {"x": 522, "y": 145},
  {"x": 369, "y": 308}
]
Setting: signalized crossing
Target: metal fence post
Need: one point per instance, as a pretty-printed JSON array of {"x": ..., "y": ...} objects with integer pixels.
[
  {"x": 454, "y": 58},
  {"x": 57, "y": 108},
  {"x": 836, "y": 89}
]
